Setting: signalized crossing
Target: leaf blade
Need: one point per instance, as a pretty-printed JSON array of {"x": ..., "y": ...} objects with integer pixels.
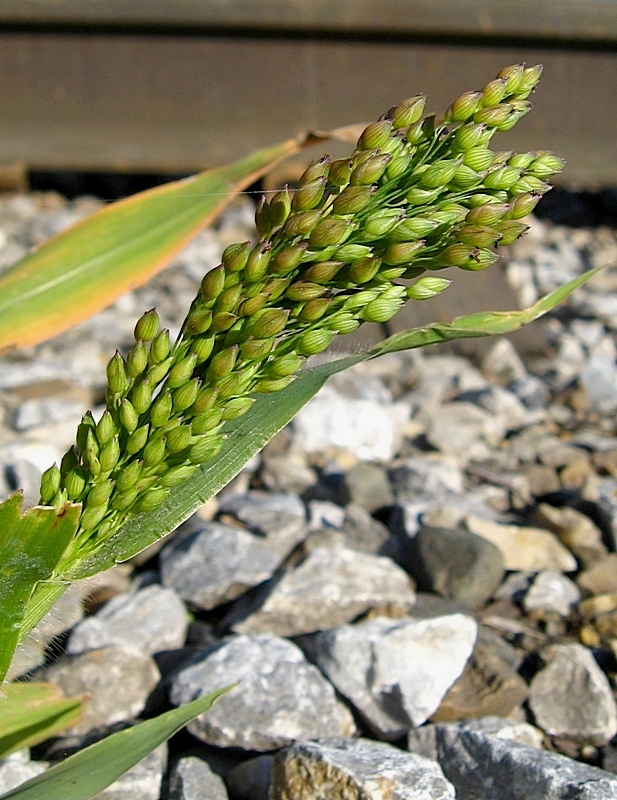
[{"x": 86, "y": 773}]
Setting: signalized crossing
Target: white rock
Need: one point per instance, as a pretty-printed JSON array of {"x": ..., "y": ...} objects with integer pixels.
[
  {"x": 551, "y": 592},
  {"x": 396, "y": 672}
]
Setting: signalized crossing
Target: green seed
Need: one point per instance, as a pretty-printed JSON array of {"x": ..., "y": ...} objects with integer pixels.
[
  {"x": 151, "y": 499},
  {"x": 147, "y": 326},
  {"x": 439, "y": 173},
  {"x": 212, "y": 283},
  {"x": 202, "y": 347},
  {"x": 343, "y": 322},
  {"x": 479, "y": 236},
  {"x": 488, "y": 214},
  {"x": 370, "y": 171},
  {"x": 353, "y": 199},
  {"x": 412, "y": 229},
  {"x": 323, "y": 272},
  {"x": 141, "y": 396},
  {"x": 523, "y": 205},
  {"x": 100, "y": 493},
  {"x": 349, "y": 252},
  {"x": 222, "y": 363},
  {"x": 137, "y": 359},
  {"x": 329, "y": 231},
  {"x": 464, "y": 107},
  {"x": 129, "y": 475},
  {"x": 362, "y": 270},
  {"x": 340, "y": 172},
  {"x": 380, "y": 310},
  {"x": 427, "y": 287},
  {"x": 223, "y": 321},
  {"x": 279, "y": 207},
  {"x": 478, "y": 158},
  {"x": 160, "y": 347},
  {"x": 198, "y": 321},
  {"x": 287, "y": 260},
  {"x": 379, "y": 223},
  {"x": 313, "y": 310},
  {"x": 511, "y": 231},
  {"x": 269, "y": 385},
  {"x": 208, "y": 421},
  {"x": 75, "y": 483},
  {"x": 301, "y": 223},
  {"x": 494, "y": 91},
  {"x": 376, "y": 135},
  {"x": 117, "y": 376},
  {"x": 185, "y": 396},
  {"x": 235, "y": 256},
  {"x": 502, "y": 178},
  {"x": 302, "y": 291},
  {"x": 267, "y": 323},
  {"x": 236, "y": 408},
  {"x": 408, "y": 112},
  {"x": 284, "y": 366},
  {"x": 91, "y": 517},
  {"x": 137, "y": 440},
  {"x": 105, "y": 428},
  {"x": 50, "y": 484},
  {"x": 181, "y": 372},
  {"x": 206, "y": 449},
  {"x": 402, "y": 252},
  {"x": 257, "y": 263},
  {"x": 310, "y": 343},
  {"x": 110, "y": 455},
  {"x": 154, "y": 451},
  {"x": 128, "y": 416},
  {"x": 253, "y": 304},
  {"x": 263, "y": 223},
  {"x": 177, "y": 475},
  {"x": 123, "y": 500},
  {"x": 309, "y": 195},
  {"x": 316, "y": 169},
  {"x": 513, "y": 76},
  {"x": 256, "y": 349},
  {"x": 178, "y": 439}
]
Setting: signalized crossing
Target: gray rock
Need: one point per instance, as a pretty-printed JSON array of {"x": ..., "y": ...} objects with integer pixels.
[
  {"x": 151, "y": 619},
  {"x": 396, "y": 672},
  {"x": 141, "y": 782},
  {"x": 601, "y": 577},
  {"x": 426, "y": 477},
  {"x": 342, "y": 770},
  {"x": 575, "y": 530},
  {"x": 429, "y": 740},
  {"x": 192, "y": 779},
  {"x": 462, "y": 429},
  {"x": 599, "y": 378},
  {"x": 603, "y": 491},
  {"x": 280, "y": 519},
  {"x": 368, "y": 486},
  {"x": 502, "y": 363},
  {"x": 481, "y": 765},
  {"x": 487, "y": 686},
  {"x": 362, "y": 531},
  {"x": 455, "y": 564},
  {"x": 330, "y": 587},
  {"x": 213, "y": 563},
  {"x": 280, "y": 697},
  {"x": 524, "y": 548},
  {"x": 443, "y": 376},
  {"x": 325, "y": 514},
  {"x": 17, "y": 769},
  {"x": 117, "y": 680},
  {"x": 551, "y": 593},
  {"x": 370, "y": 429},
  {"x": 251, "y": 779},
  {"x": 571, "y": 697}
]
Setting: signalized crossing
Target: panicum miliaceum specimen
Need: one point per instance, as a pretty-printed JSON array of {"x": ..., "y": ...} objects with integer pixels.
[{"x": 416, "y": 196}]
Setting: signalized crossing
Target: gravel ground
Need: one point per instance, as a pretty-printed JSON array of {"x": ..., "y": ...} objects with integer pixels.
[{"x": 416, "y": 581}]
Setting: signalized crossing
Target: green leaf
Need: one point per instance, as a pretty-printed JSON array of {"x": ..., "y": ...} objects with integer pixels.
[
  {"x": 30, "y": 547},
  {"x": 272, "y": 411},
  {"x": 88, "y": 772},
  {"x": 33, "y": 712},
  {"x": 85, "y": 268}
]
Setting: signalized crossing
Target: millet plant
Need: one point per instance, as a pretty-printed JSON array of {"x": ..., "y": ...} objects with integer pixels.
[{"x": 417, "y": 195}]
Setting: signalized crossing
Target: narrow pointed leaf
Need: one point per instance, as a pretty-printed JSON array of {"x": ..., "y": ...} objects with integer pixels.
[
  {"x": 85, "y": 268},
  {"x": 30, "y": 547},
  {"x": 88, "y": 772},
  {"x": 32, "y": 712}
]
